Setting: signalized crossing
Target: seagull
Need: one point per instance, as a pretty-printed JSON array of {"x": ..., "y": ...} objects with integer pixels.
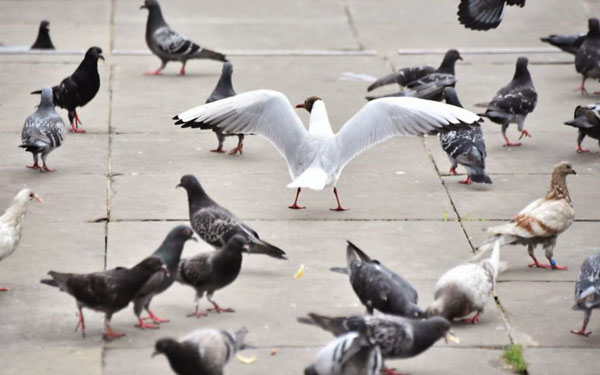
[{"x": 316, "y": 158}]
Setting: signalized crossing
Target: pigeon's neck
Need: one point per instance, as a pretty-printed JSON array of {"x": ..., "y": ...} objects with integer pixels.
[
  {"x": 185, "y": 359},
  {"x": 43, "y": 40},
  {"x": 447, "y": 65},
  {"x": 318, "y": 124},
  {"x": 558, "y": 188},
  {"x": 197, "y": 199},
  {"x": 522, "y": 75},
  {"x": 227, "y": 261},
  {"x": 424, "y": 337},
  {"x": 170, "y": 253},
  {"x": 155, "y": 20},
  {"x": 14, "y": 215},
  {"x": 89, "y": 65},
  {"x": 224, "y": 84}
]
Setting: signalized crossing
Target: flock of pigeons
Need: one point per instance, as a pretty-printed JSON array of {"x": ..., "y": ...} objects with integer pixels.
[{"x": 315, "y": 159}]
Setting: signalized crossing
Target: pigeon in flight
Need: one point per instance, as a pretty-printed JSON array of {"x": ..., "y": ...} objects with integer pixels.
[
  {"x": 587, "y": 121},
  {"x": 43, "y": 131},
  {"x": 316, "y": 157},
  {"x": 168, "y": 45},
  {"x": 43, "y": 38},
  {"x": 484, "y": 15},
  {"x": 587, "y": 291},
  {"x": 587, "y": 59},
  {"x": 79, "y": 88},
  {"x": 569, "y": 43}
]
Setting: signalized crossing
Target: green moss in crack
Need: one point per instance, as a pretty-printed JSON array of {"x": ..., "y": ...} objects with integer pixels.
[{"x": 513, "y": 355}]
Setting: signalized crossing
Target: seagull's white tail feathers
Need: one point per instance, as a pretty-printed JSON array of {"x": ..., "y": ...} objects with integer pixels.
[
  {"x": 495, "y": 257},
  {"x": 312, "y": 178}
]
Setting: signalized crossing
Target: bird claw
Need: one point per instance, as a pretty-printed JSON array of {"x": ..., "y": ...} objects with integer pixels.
[
  {"x": 218, "y": 150},
  {"x": 33, "y": 166},
  {"x": 143, "y": 325},
  {"x": 110, "y": 334},
  {"x": 466, "y": 181},
  {"x": 296, "y": 207},
  {"x": 580, "y": 149},
  {"x": 77, "y": 130},
  {"x": 392, "y": 371},
  {"x": 524, "y": 133},
  {"x": 46, "y": 169},
  {"x": 239, "y": 149},
  {"x": 511, "y": 144},
  {"x": 473, "y": 320},
  {"x": 581, "y": 332},
  {"x": 453, "y": 171},
  {"x": 219, "y": 309},
  {"x": 197, "y": 313},
  {"x": 152, "y": 72},
  {"x": 155, "y": 318},
  {"x": 548, "y": 266}
]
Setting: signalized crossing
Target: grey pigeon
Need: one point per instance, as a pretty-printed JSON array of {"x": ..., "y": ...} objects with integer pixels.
[
  {"x": 205, "y": 351},
  {"x": 168, "y": 45},
  {"x": 43, "y": 131},
  {"x": 216, "y": 225},
  {"x": 107, "y": 291},
  {"x": 587, "y": 59},
  {"x": 569, "y": 43},
  {"x": 484, "y": 14},
  {"x": 169, "y": 252},
  {"x": 465, "y": 147},
  {"x": 422, "y": 82},
  {"x": 43, "y": 40},
  {"x": 514, "y": 102},
  {"x": 212, "y": 271},
  {"x": 587, "y": 291},
  {"x": 587, "y": 121}
]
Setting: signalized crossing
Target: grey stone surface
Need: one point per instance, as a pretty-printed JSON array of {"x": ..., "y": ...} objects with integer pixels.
[{"x": 583, "y": 361}]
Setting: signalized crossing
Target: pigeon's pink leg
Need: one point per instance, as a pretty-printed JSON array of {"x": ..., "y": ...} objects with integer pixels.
[
  {"x": 33, "y": 166},
  {"x": 219, "y": 150},
  {"x": 524, "y": 133},
  {"x": 155, "y": 318},
  {"x": 473, "y": 320},
  {"x": 46, "y": 169},
  {"x": 452, "y": 171},
  {"x": 80, "y": 322},
  {"x": 295, "y": 206},
  {"x": 509, "y": 143},
  {"x": 239, "y": 148},
  {"x": 110, "y": 333},
  {"x": 77, "y": 120},
  {"x": 154, "y": 72},
  {"x": 3, "y": 289},
  {"x": 581, "y": 87},
  {"x": 219, "y": 309},
  {"x": 182, "y": 70},
  {"x": 74, "y": 125},
  {"x": 552, "y": 265},
  {"x": 392, "y": 371},
  {"x": 143, "y": 325},
  {"x": 580, "y": 149},
  {"x": 466, "y": 181},
  {"x": 197, "y": 313},
  {"x": 339, "y": 207},
  {"x": 586, "y": 320}
]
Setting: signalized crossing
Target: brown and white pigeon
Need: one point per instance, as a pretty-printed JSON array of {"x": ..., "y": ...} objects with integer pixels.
[
  {"x": 484, "y": 14},
  {"x": 587, "y": 122},
  {"x": 587, "y": 291},
  {"x": 587, "y": 58}
]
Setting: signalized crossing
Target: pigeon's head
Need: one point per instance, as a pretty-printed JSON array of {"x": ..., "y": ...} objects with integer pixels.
[
  {"x": 181, "y": 233},
  {"x": 165, "y": 346},
  {"x": 594, "y": 26},
  {"x": 522, "y": 63},
  {"x": 44, "y": 25},
  {"x": 563, "y": 168},
  {"x": 94, "y": 53},
  {"x": 47, "y": 99},
  {"x": 311, "y": 370},
  {"x": 452, "y": 55},
  {"x": 227, "y": 68},
  {"x": 149, "y": 4},
  {"x": 152, "y": 265},
  {"x": 440, "y": 327},
  {"x": 308, "y": 103},
  {"x": 188, "y": 182},
  {"x": 26, "y": 196},
  {"x": 238, "y": 243}
]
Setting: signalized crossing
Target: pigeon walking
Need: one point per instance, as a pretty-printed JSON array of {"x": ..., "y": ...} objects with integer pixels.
[
  {"x": 169, "y": 45},
  {"x": 212, "y": 271},
  {"x": 79, "y": 88},
  {"x": 169, "y": 252},
  {"x": 43, "y": 131},
  {"x": 587, "y": 291},
  {"x": 216, "y": 225},
  {"x": 205, "y": 351},
  {"x": 541, "y": 221},
  {"x": 514, "y": 102},
  {"x": 11, "y": 223},
  {"x": 465, "y": 147},
  {"x": 107, "y": 291},
  {"x": 568, "y": 43},
  {"x": 587, "y": 122},
  {"x": 484, "y": 14},
  {"x": 43, "y": 40},
  {"x": 587, "y": 59}
]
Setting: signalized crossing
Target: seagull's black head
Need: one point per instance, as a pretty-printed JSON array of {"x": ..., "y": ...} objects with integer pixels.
[
  {"x": 308, "y": 103},
  {"x": 94, "y": 53},
  {"x": 149, "y": 4},
  {"x": 188, "y": 182},
  {"x": 44, "y": 25},
  {"x": 165, "y": 346},
  {"x": 593, "y": 26}
]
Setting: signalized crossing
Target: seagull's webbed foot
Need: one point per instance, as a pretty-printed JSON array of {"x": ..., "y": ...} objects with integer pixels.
[
  {"x": 466, "y": 181},
  {"x": 197, "y": 313},
  {"x": 141, "y": 324},
  {"x": 294, "y": 205},
  {"x": 473, "y": 320},
  {"x": 339, "y": 204},
  {"x": 155, "y": 318}
]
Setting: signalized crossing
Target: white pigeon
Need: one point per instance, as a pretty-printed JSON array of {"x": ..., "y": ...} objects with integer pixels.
[
  {"x": 316, "y": 157},
  {"x": 11, "y": 223}
]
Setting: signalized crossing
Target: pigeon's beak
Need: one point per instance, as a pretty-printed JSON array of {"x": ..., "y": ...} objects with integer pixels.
[
  {"x": 460, "y": 58},
  {"x": 300, "y": 106},
  {"x": 450, "y": 336},
  {"x": 575, "y": 173},
  {"x": 38, "y": 198},
  {"x": 154, "y": 354},
  {"x": 177, "y": 186},
  {"x": 144, "y": 6},
  {"x": 101, "y": 57}
]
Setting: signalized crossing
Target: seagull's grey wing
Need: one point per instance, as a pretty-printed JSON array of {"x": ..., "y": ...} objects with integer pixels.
[
  {"x": 263, "y": 112},
  {"x": 403, "y": 76},
  {"x": 169, "y": 42}
]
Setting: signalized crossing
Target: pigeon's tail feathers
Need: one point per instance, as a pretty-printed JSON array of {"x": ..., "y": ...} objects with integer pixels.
[
  {"x": 37, "y": 92},
  {"x": 240, "y": 337},
  {"x": 495, "y": 258},
  {"x": 313, "y": 178},
  {"x": 34, "y": 148},
  {"x": 580, "y": 122},
  {"x": 478, "y": 175},
  {"x": 361, "y": 254},
  {"x": 262, "y": 247},
  {"x": 209, "y": 54},
  {"x": 50, "y": 282},
  {"x": 335, "y": 325},
  {"x": 342, "y": 270}
]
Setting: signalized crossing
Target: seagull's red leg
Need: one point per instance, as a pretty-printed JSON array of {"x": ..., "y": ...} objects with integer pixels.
[
  {"x": 452, "y": 171},
  {"x": 509, "y": 143},
  {"x": 473, "y": 320},
  {"x": 155, "y": 318},
  {"x": 466, "y": 181},
  {"x": 524, "y": 133},
  {"x": 197, "y": 313},
  {"x": 80, "y": 322},
  {"x": 295, "y": 206},
  {"x": 143, "y": 325},
  {"x": 339, "y": 207}
]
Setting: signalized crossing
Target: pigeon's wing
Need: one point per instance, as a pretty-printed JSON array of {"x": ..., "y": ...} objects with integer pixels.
[
  {"x": 393, "y": 334},
  {"x": 385, "y": 118},
  {"x": 586, "y": 117},
  {"x": 195, "y": 271},
  {"x": 543, "y": 218},
  {"x": 403, "y": 76},
  {"x": 169, "y": 42},
  {"x": 334, "y": 356},
  {"x": 43, "y": 129},
  {"x": 432, "y": 85},
  {"x": 90, "y": 289},
  {"x": 464, "y": 146},
  {"x": 264, "y": 112},
  {"x": 214, "y": 224},
  {"x": 481, "y": 14},
  {"x": 514, "y": 101},
  {"x": 372, "y": 286}
]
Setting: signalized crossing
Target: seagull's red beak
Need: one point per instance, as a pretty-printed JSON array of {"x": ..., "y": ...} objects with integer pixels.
[
  {"x": 300, "y": 106},
  {"x": 38, "y": 198}
]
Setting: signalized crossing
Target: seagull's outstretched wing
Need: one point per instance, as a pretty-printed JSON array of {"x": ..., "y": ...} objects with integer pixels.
[
  {"x": 385, "y": 118},
  {"x": 263, "y": 112}
]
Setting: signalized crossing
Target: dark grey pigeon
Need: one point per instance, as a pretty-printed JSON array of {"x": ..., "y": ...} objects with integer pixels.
[
  {"x": 43, "y": 38},
  {"x": 514, "y": 102},
  {"x": 587, "y": 291},
  {"x": 168, "y": 45},
  {"x": 216, "y": 225},
  {"x": 422, "y": 82},
  {"x": 587, "y": 121},
  {"x": 484, "y": 14},
  {"x": 212, "y": 271},
  {"x": 465, "y": 147},
  {"x": 569, "y": 43},
  {"x": 587, "y": 59},
  {"x": 205, "y": 351},
  {"x": 43, "y": 131},
  {"x": 169, "y": 252},
  {"x": 108, "y": 291}
]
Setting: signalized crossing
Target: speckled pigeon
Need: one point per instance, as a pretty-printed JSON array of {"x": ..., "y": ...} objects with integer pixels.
[{"x": 587, "y": 291}]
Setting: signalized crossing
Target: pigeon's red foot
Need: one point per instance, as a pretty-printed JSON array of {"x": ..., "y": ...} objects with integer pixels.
[
  {"x": 75, "y": 129},
  {"x": 473, "y": 320},
  {"x": 33, "y": 166},
  {"x": 143, "y": 325},
  {"x": 580, "y": 149},
  {"x": 80, "y": 323},
  {"x": 197, "y": 313},
  {"x": 182, "y": 71},
  {"x": 524, "y": 133},
  {"x": 155, "y": 318},
  {"x": 3, "y": 289},
  {"x": 153, "y": 72},
  {"x": 466, "y": 181},
  {"x": 46, "y": 169},
  {"x": 582, "y": 332},
  {"x": 452, "y": 171},
  {"x": 540, "y": 265},
  {"x": 111, "y": 334},
  {"x": 219, "y": 309},
  {"x": 296, "y": 207},
  {"x": 239, "y": 149},
  {"x": 511, "y": 144},
  {"x": 219, "y": 150},
  {"x": 552, "y": 265},
  {"x": 392, "y": 371},
  {"x": 339, "y": 208}
]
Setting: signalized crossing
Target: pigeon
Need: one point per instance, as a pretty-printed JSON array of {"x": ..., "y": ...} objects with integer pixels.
[
  {"x": 11, "y": 223},
  {"x": 168, "y": 45},
  {"x": 465, "y": 147},
  {"x": 212, "y": 271},
  {"x": 422, "y": 81},
  {"x": 587, "y": 291},
  {"x": 316, "y": 157},
  {"x": 107, "y": 291},
  {"x": 224, "y": 89},
  {"x": 169, "y": 252},
  {"x": 541, "y": 221},
  {"x": 514, "y": 102},
  {"x": 569, "y": 43},
  {"x": 380, "y": 288},
  {"x": 79, "y": 88},
  {"x": 43, "y": 38},
  {"x": 484, "y": 15},
  {"x": 43, "y": 131},
  {"x": 587, "y": 58},
  {"x": 205, "y": 351},
  {"x": 216, "y": 225},
  {"x": 587, "y": 121},
  {"x": 465, "y": 289},
  {"x": 353, "y": 353}
]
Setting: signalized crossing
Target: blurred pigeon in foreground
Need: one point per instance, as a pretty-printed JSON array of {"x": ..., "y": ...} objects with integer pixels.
[
  {"x": 43, "y": 131},
  {"x": 43, "y": 38},
  {"x": 484, "y": 14},
  {"x": 11, "y": 223},
  {"x": 465, "y": 147},
  {"x": 169, "y": 45},
  {"x": 514, "y": 102},
  {"x": 540, "y": 222},
  {"x": 216, "y": 225},
  {"x": 587, "y": 121},
  {"x": 79, "y": 88},
  {"x": 587, "y": 291},
  {"x": 169, "y": 252},
  {"x": 205, "y": 351},
  {"x": 107, "y": 291},
  {"x": 587, "y": 59},
  {"x": 569, "y": 43}
]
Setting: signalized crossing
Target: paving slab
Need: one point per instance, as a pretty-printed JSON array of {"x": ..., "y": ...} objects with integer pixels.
[
  {"x": 57, "y": 360},
  {"x": 549, "y": 361}
]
